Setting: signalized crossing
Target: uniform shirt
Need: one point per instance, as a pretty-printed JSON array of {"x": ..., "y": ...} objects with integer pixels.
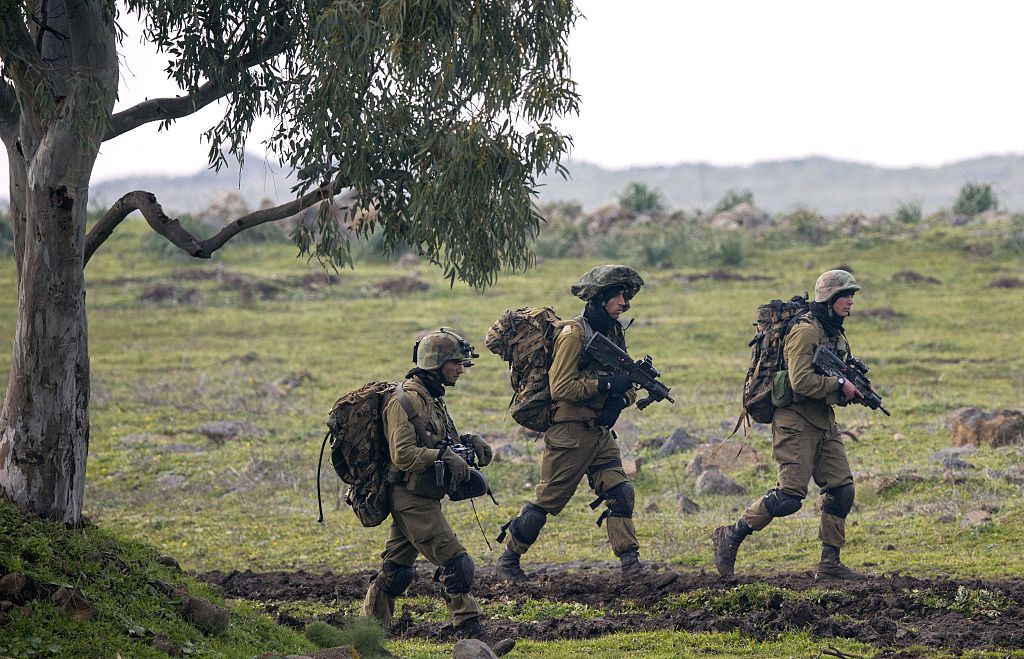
[
  {"x": 410, "y": 453},
  {"x": 574, "y": 389},
  {"x": 813, "y": 394}
]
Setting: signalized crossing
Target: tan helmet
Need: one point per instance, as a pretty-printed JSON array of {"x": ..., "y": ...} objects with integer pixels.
[
  {"x": 440, "y": 346},
  {"x": 604, "y": 276},
  {"x": 832, "y": 282}
]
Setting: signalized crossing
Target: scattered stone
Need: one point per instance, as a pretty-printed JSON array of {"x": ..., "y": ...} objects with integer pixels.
[
  {"x": 953, "y": 477},
  {"x": 166, "y": 646},
  {"x": 972, "y": 425},
  {"x": 728, "y": 455},
  {"x": 507, "y": 452},
  {"x": 1014, "y": 474},
  {"x": 898, "y": 437},
  {"x": 221, "y": 431},
  {"x": 161, "y": 293},
  {"x": 652, "y": 508},
  {"x": 471, "y": 648},
  {"x": 73, "y": 603},
  {"x": 678, "y": 441},
  {"x": 208, "y": 617},
  {"x": 12, "y": 584},
  {"x": 1007, "y": 282},
  {"x": 953, "y": 451},
  {"x": 314, "y": 281},
  {"x": 695, "y": 467},
  {"x": 742, "y": 216},
  {"x": 714, "y": 482},
  {"x": 912, "y": 277},
  {"x": 976, "y": 519},
  {"x": 171, "y": 481},
  {"x": 954, "y": 463},
  {"x": 947, "y": 518},
  {"x": 685, "y": 505},
  {"x": 168, "y": 561}
]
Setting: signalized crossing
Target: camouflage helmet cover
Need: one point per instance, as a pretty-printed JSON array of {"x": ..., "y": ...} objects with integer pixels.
[
  {"x": 440, "y": 346},
  {"x": 604, "y": 276},
  {"x": 832, "y": 282}
]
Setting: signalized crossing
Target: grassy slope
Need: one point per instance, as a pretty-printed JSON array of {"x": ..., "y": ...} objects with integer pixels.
[{"x": 159, "y": 371}]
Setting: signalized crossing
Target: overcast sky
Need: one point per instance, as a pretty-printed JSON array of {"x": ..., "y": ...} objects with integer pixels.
[{"x": 894, "y": 83}]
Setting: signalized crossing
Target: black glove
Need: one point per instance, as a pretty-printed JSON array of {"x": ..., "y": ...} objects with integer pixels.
[
  {"x": 483, "y": 451},
  {"x": 609, "y": 414},
  {"x": 457, "y": 467},
  {"x": 616, "y": 384}
]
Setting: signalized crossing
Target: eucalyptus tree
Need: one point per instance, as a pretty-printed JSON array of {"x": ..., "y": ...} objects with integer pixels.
[{"x": 433, "y": 118}]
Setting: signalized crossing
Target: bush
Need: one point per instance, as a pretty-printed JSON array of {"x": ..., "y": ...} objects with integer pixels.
[
  {"x": 908, "y": 212},
  {"x": 806, "y": 225},
  {"x": 6, "y": 237},
  {"x": 1013, "y": 241},
  {"x": 364, "y": 634},
  {"x": 732, "y": 199},
  {"x": 975, "y": 198},
  {"x": 730, "y": 250},
  {"x": 640, "y": 198}
]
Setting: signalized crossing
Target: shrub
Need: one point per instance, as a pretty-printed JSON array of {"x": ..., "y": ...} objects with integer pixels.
[
  {"x": 364, "y": 634},
  {"x": 730, "y": 250},
  {"x": 908, "y": 212},
  {"x": 732, "y": 199},
  {"x": 640, "y": 198},
  {"x": 1013, "y": 241},
  {"x": 806, "y": 225},
  {"x": 975, "y": 198}
]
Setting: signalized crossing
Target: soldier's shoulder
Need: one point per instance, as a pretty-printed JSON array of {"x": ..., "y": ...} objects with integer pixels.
[{"x": 569, "y": 327}]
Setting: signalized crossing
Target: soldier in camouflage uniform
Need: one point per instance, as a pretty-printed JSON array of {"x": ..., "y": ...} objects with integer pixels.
[
  {"x": 805, "y": 440},
  {"x": 580, "y": 441},
  {"x": 418, "y": 525}
]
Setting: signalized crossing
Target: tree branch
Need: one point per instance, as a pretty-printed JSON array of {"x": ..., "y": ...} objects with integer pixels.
[
  {"x": 168, "y": 109},
  {"x": 172, "y": 230},
  {"x": 9, "y": 111},
  {"x": 24, "y": 64}
]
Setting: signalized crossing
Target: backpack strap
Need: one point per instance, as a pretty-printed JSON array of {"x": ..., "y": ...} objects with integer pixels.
[{"x": 417, "y": 422}]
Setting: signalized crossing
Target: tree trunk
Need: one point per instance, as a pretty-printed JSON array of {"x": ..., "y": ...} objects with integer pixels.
[{"x": 44, "y": 422}]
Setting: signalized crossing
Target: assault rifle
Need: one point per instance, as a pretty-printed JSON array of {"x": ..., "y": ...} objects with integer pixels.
[
  {"x": 642, "y": 373},
  {"x": 854, "y": 370},
  {"x": 477, "y": 484}
]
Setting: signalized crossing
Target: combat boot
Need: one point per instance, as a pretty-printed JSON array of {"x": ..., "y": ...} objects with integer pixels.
[
  {"x": 632, "y": 568},
  {"x": 831, "y": 567},
  {"x": 508, "y": 566},
  {"x": 474, "y": 628},
  {"x": 726, "y": 541}
]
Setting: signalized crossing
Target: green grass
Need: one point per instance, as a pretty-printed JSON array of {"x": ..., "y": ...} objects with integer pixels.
[{"x": 161, "y": 370}]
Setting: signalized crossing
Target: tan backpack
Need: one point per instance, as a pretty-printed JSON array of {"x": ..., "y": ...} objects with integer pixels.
[{"x": 774, "y": 321}]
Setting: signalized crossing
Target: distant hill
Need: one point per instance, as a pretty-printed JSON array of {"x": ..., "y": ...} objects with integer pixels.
[{"x": 830, "y": 186}]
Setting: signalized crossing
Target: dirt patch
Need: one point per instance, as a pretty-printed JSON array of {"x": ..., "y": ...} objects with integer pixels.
[
  {"x": 167, "y": 294},
  {"x": 892, "y": 612},
  {"x": 402, "y": 285},
  {"x": 913, "y": 277},
  {"x": 1007, "y": 282},
  {"x": 722, "y": 275}
]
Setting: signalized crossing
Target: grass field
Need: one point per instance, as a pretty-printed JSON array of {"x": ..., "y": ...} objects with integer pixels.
[{"x": 257, "y": 337}]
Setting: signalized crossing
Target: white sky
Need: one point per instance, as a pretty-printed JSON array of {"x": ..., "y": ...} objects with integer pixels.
[{"x": 896, "y": 82}]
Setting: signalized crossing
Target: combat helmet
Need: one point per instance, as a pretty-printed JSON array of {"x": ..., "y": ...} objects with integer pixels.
[
  {"x": 831, "y": 283},
  {"x": 440, "y": 346},
  {"x": 605, "y": 276}
]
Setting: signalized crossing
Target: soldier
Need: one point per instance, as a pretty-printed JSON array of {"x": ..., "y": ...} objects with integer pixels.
[
  {"x": 805, "y": 440},
  {"x": 418, "y": 525},
  {"x": 587, "y": 403}
]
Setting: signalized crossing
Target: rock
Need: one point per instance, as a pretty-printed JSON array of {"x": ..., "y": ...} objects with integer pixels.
[
  {"x": 6, "y": 605},
  {"x": 208, "y": 617},
  {"x": 714, "y": 482},
  {"x": 632, "y": 467},
  {"x": 12, "y": 584},
  {"x": 695, "y": 467},
  {"x": 728, "y": 455},
  {"x": 685, "y": 505},
  {"x": 953, "y": 477},
  {"x": 340, "y": 652},
  {"x": 678, "y": 441},
  {"x": 652, "y": 507},
  {"x": 166, "y": 646},
  {"x": 942, "y": 454},
  {"x": 471, "y": 648},
  {"x": 168, "y": 561},
  {"x": 171, "y": 481},
  {"x": 507, "y": 452},
  {"x": 947, "y": 518},
  {"x": 975, "y": 519},
  {"x": 741, "y": 216},
  {"x": 972, "y": 425},
  {"x": 1013, "y": 474},
  {"x": 954, "y": 463},
  {"x": 221, "y": 431},
  {"x": 73, "y": 603}
]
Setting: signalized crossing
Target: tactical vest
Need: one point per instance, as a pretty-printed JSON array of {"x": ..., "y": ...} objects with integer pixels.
[
  {"x": 818, "y": 411},
  {"x": 583, "y": 410},
  {"x": 437, "y": 425}
]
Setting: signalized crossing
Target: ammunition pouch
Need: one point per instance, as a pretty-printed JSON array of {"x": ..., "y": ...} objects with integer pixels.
[{"x": 782, "y": 392}]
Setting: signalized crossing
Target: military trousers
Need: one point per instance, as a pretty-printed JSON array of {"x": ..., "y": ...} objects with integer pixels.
[
  {"x": 418, "y": 526},
  {"x": 803, "y": 452},
  {"x": 573, "y": 450}
]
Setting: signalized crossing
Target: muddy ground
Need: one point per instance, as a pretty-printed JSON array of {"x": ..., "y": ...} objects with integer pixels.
[{"x": 890, "y": 612}]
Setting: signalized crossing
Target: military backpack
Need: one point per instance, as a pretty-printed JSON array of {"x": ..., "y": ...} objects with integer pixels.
[
  {"x": 359, "y": 449},
  {"x": 774, "y": 321},
  {"x": 525, "y": 338}
]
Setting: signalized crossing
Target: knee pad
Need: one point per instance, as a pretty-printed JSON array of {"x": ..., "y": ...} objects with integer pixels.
[
  {"x": 620, "y": 500},
  {"x": 780, "y": 504},
  {"x": 526, "y": 527},
  {"x": 457, "y": 574},
  {"x": 393, "y": 579},
  {"x": 838, "y": 501}
]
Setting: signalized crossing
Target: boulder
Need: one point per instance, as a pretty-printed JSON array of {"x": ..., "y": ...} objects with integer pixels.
[
  {"x": 728, "y": 455},
  {"x": 12, "y": 584},
  {"x": 713, "y": 481},
  {"x": 208, "y": 617},
  {"x": 471, "y": 648},
  {"x": 72, "y": 603},
  {"x": 741, "y": 216},
  {"x": 976, "y": 519},
  {"x": 678, "y": 441},
  {"x": 972, "y": 425},
  {"x": 685, "y": 505},
  {"x": 221, "y": 431}
]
